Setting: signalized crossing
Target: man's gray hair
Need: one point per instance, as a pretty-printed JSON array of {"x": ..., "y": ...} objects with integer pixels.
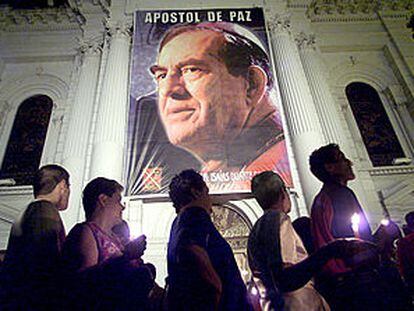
[{"x": 267, "y": 187}]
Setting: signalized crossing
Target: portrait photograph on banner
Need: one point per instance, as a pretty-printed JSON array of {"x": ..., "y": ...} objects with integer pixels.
[{"x": 202, "y": 97}]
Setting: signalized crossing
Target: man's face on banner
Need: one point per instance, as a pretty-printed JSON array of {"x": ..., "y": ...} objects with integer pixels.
[{"x": 200, "y": 102}]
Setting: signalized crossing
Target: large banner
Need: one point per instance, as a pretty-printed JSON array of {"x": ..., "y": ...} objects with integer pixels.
[{"x": 202, "y": 96}]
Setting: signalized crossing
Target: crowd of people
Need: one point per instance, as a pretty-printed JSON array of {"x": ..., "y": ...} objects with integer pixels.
[{"x": 325, "y": 262}]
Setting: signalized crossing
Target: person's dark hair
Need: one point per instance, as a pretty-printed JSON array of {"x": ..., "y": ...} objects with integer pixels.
[
  {"x": 408, "y": 228},
  {"x": 241, "y": 49},
  {"x": 95, "y": 188},
  {"x": 267, "y": 188},
  {"x": 320, "y": 157},
  {"x": 409, "y": 218},
  {"x": 181, "y": 186},
  {"x": 47, "y": 177}
]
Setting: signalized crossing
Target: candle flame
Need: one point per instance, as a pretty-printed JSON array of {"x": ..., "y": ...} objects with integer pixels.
[
  {"x": 385, "y": 222},
  {"x": 355, "y": 220},
  {"x": 254, "y": 291}
]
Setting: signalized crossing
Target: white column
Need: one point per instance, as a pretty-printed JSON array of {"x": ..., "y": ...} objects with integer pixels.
[
  {"x": 109, "y": 140},
  {"x": 75, "y": 149},
  {"x": 303, "y": 123},
  {"x": 324, "y": 103}
]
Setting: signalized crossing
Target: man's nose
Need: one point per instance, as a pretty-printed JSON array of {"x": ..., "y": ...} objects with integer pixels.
[{"x": 173, "y": 86}]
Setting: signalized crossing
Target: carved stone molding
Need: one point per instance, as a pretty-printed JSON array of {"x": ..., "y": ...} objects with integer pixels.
[
  {"x": 396, "y": 94},
  {"x": 306, "y": 41},
  {"x": 391, "y": 170},
  {"x": 38, "y": 19},
  {"x": 91, "y": 45},
  {"x": 278, "y": 23},
  {"x": 58, "y": 117},
  {"x": 344, "y": 107},
  {"x": 231, "y": 226},
  {"x": 119, "y": 28},
  {"x": 331, "y": 10}
]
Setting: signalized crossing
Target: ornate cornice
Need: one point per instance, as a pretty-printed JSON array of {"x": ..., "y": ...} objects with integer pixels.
[
  {"x": 278, "y": 23},
  {"x": 391, "y": 170},
  {"x": 346, "y": 10},
  {"x": 305, "y": 41},
  {"x": 91, "y": 45},
  {"x": 119, "y": 28},
  {"x": 38, "y": 19}
]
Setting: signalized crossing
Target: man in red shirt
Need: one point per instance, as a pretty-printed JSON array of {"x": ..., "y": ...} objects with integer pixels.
[{"x": 345, "y": 286}]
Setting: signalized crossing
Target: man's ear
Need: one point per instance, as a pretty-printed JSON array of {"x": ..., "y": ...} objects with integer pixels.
[
  {"x": 257, "y": 81},
  {"x": 102, "y": 198},
  {"x": 61, "y": 186}
]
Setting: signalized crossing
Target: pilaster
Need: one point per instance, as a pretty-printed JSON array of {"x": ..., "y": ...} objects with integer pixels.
[
  {"x": 108, "y": 144},
  {"x": 302, "y": 120},
  {"x": 79, "y": 127}
]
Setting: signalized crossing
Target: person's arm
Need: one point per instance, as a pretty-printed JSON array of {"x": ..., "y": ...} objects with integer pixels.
[
  {"x": 352, "y": 251},
  {"x": 208, "y": 274},
  {"x": 321, "y": 221},
  {"x": 135, "y": 248},
  {"x": 296, "y": 276},
  {"x": 80, "y": 251}
]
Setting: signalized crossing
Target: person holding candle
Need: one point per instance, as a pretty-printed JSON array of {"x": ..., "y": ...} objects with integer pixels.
[
  {"x": 100, "y": 272},
  {"x": 281, "y": 267},
  {"x": 336, "y": 213}
]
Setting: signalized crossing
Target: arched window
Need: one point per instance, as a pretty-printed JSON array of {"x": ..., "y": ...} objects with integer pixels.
[
  {"x": 27, "y": 138},
  {"x": 374, "y": 125}
]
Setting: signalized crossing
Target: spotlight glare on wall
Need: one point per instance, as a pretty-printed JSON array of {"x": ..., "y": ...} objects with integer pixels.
[
  {"x": 7, "y": 182},
  {"x": 402, "y": 161}
]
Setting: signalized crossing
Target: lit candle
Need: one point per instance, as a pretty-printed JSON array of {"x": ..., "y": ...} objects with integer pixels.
[
  {"x": 355, "y": 220},
  {"x": 254, "y": 291},
  {"x": 385, "y": 222}
]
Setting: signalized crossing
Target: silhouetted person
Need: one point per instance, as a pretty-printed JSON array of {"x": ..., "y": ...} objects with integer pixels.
[
  {"x": 101, "y": 271},
  {"x": 408, "y": 227},
  {"x": 202, "y": 271},
  {"x": 405, "y": 254},
  {"x": 358, "y": 287},
  {"x": 29, "y": 277},
  {"x": 281, "y": 267}
]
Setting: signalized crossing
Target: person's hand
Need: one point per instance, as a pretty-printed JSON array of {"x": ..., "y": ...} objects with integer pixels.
[
  {"x": 135, "y": 249},
  {"x": 354, "y": 252}
]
